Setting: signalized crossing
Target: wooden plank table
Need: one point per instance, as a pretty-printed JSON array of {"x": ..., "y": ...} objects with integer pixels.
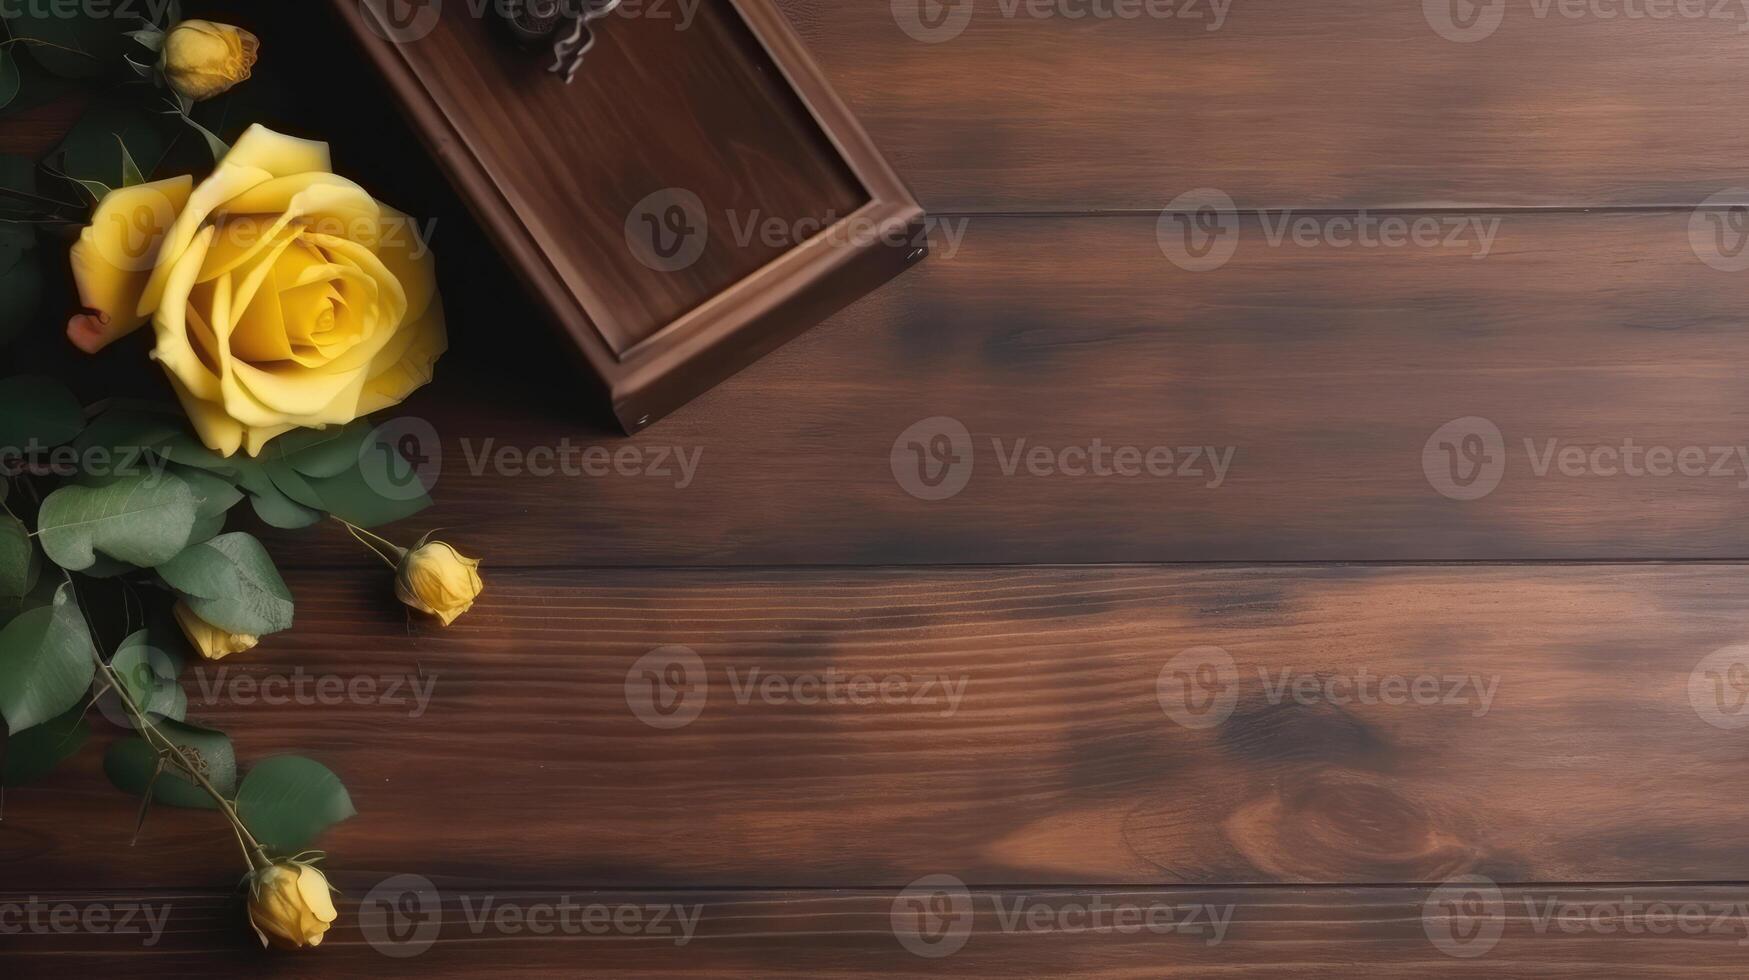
[{"x": 1216, "y": 653}]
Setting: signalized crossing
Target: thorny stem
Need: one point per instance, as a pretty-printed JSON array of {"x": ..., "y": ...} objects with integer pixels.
[{"x": 253, "y": 852}]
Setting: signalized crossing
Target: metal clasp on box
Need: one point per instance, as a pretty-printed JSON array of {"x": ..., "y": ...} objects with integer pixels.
[{"x": 564, "y": 23}]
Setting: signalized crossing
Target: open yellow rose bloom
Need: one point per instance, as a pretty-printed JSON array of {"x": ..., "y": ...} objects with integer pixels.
[{"x": 282, "y": 296}]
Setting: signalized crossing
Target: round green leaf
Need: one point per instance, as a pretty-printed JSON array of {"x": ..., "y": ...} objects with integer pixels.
[
  {"x": 149, "y": 676},
  {"x": 46, "y": 663},
  {"x": 131, "y": 764},
  {"x": 19, "y": 565},
  {"x": 142, "y": 520},
  {"x": 231, "y": 582},
  {"x": 35, "y": 752},
  {"x": 287, "y": 800}
]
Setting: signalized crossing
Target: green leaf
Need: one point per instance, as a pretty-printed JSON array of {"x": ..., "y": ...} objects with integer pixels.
[
  {"x": 278, "y": 510},
  {"x": 21, "y": 294},
  {"x": 88, "y": 151},
  {"x": 287, "y": 800},
  {"x": 130, "y": 171},
  {"x": 185, "y": 449},
  {"x": 17, "y": 174},
  {"x": 9, "y": 79},
  {"x": 149, "y": 675},
  {"x": 352, "y": 495},
  {"x": 35, "y": 752},
  {"x": 321, "y": 453},
  {"x": 231, "y": 583},
  {"x": 217, "y": 147},
  {"x": 43, "y": 595},
  {"x": 131, "y": 764},
  {"x": 271, "y": 503},
  {"x": 19, "y": 564},
  {"x": 130, "y": 440},
  {"x": 40, "y": 409},
  {"x": 142, "y": 520},
  {"x": 46, "y": 662},
  {"x": 216, "y": 495},
  {"x": 37, "y": 86},
  {"x": 69, "y": 40},
  {"x": 150, "y": 38}
]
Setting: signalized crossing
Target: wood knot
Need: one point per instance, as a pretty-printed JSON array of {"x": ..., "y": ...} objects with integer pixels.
[{"x": 1343, "y": 825}]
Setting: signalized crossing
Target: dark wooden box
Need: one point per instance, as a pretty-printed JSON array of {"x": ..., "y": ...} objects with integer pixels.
[{"x": 697, "y": 197}]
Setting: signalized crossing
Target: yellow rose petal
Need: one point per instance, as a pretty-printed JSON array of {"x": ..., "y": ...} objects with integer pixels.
[
  {"x": 278, "y": 154},
  {"x": 113, "y": 259}
]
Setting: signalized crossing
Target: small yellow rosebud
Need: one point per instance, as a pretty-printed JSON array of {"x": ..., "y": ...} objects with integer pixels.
[
  {"x": 212, "y": 642},
  {"x": 203, "y": 59},
  {"x": 435, "y": 578},
  {"x": 289, "y": 905}
]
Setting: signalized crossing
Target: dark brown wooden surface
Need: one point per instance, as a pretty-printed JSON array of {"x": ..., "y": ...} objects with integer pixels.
[
  {"x": 1343, "y": 103},
  {"x": 1276, "y": 932},
  {"x": 1024, "y": 739},
  {"x": 1593, "y": 776}
]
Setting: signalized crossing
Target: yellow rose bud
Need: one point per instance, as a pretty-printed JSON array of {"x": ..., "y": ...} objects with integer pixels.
[
  {"x": 289, "y": 905},
  {"x": 212, "y": 642},
  {"x": 203, "y": 59},
  {"x": 435, "y": 578}
]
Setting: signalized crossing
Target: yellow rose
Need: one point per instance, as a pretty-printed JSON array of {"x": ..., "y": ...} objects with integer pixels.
[
  {"x": 289, "y": 905},
  {"x": 282, "y": 296},
  {"x": 436, "y": 579},
  {"x": 212, "y": 642},
  {"x": 203, "y": 59}
]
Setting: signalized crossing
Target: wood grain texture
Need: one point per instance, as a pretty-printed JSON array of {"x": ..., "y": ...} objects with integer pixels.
[
  {"x": 1540, "y": 728},
  {"x": 1321, "y": 373},
  {"x": 1273, "y": 932},
  {"x": 1346, "y": 103}
]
